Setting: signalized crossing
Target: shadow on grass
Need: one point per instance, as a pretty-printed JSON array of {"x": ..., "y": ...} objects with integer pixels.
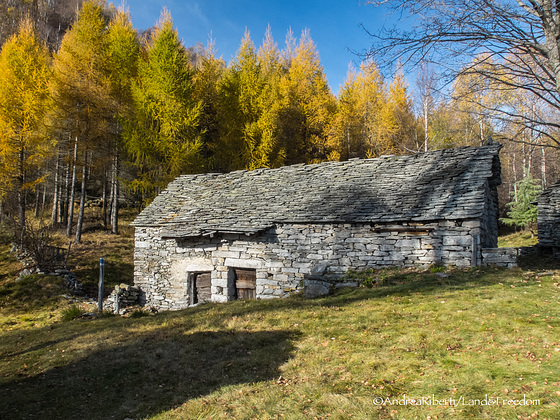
[
  {"x": 155, "y": 372},
  {"x": 543, "y": 262},
  {"x": 116, "y": 272},
  {"x": 32, "y": 292}
]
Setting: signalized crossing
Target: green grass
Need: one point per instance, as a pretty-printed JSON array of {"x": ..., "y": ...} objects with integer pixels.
[
  {"x": 476, "y": 333},
  {"x": 517, "y": 239}
]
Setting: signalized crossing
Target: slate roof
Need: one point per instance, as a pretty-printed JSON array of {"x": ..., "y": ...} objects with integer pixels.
[{"x": 443, "y": 184}]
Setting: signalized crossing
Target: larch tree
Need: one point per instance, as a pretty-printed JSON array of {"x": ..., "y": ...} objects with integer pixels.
[
  {"x": 403, "y": 138},
  {"x": 122, "y": 52},
  {"x": 347, "y": 132},
  {"x": 209, "y": 72},
  {"x": 25, "y": 70},
  {"x": 378, "y": 119},
  {"x": 307, "y": 104},
  {"x": 82, "y": 92},
  {"x": 364, "y": 125},
  {"x": 165, "y": 138},
  {"x": 270, "y": 152},
  {"x": 240, "y": 91}
]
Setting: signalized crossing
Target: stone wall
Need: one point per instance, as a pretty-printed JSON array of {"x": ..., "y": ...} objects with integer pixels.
[
  {"x": 548, "y": 218},
  {"x": 290, "y": 256},
  {"x": 500, "y": 257}
]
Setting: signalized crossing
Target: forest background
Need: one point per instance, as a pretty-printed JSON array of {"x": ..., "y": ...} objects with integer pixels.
[{"x": 93, "y": 111}]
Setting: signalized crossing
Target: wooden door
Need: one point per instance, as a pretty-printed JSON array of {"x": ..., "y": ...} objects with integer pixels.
[
  {"x": 202, "y": 287},
  {"x": 245, "y": 283}
]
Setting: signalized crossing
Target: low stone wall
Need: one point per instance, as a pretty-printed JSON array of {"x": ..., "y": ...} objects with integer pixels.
[
  {"x": 289, "y": 257},
  {"x": 500, "y": 257}
]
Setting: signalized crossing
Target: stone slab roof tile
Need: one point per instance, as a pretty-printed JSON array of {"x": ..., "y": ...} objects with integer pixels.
[{"x": 443, "y": 184}]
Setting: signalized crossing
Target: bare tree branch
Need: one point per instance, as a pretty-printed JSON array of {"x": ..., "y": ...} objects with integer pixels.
[{"x": 519, "y": 39}]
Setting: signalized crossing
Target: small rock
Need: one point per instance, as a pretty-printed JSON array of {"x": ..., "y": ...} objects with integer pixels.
[{"x": 315, "y": 290}]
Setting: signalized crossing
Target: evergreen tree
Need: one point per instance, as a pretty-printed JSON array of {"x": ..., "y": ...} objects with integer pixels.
[{"x": 522, "y": 210}]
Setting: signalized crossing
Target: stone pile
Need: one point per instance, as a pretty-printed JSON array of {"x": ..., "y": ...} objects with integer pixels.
[{"x": 122, "y": 297}]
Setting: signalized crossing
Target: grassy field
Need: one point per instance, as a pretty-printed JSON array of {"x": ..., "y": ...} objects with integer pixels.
[{"x": 477, "y": 343}]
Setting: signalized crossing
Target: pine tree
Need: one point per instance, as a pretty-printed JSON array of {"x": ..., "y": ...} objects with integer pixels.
[
  {"x": 522, "y": 210},
  {"x": 24, "y": 100}
]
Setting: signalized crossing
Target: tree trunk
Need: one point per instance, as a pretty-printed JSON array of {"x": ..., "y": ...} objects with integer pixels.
[
  {"x": 37, "y": 195},
  {"x": 425, "y": 125},
  {"x": 82, "y": 202},
  {"x": 514, "y": 168},
  {"x": 543, "y": 167},
  {"x": 72, "y": 191},
  {"x": 21, "y": 193},
  {"x": 110, "y": 197},
  {"x": 44, "y": 200},
  {"x": 104, "y": 202},
  {"x": 55, "y": 193},
  {"x": 115, "y": 198},
  {"x": 66, "y": 202}
]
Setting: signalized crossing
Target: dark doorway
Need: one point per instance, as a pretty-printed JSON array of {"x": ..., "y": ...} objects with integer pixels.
[
  {"x": 201, "y": 287},
  {"x": 245, "y": 283}
]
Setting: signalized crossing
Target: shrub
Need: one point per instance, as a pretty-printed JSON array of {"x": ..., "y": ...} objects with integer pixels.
[
  {"x": 437, "y": 269},
  {"x": 71, "y": 313}
]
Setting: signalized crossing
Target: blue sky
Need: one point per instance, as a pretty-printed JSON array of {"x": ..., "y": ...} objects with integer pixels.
[{"x": 334, "y": 25}]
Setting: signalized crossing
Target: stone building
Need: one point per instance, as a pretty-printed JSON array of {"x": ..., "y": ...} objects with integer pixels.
[
  {"x": 271, "y": 232},
  {"x": 548, "y": 219}
]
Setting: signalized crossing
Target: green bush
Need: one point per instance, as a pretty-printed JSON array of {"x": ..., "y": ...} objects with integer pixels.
[
  {"x": 437, "y": 269},
  {"x": 71, "y": 313}
]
